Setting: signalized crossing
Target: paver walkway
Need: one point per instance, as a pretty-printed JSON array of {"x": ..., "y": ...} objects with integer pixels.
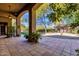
[{"x": 47, "y": 46}]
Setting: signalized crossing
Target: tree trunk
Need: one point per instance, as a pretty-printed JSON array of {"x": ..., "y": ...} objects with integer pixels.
[
  {"x": 45, "y": 28},
  {"x": 44, "y": 23}
]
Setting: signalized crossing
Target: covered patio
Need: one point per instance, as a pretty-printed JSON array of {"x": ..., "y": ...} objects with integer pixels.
[
  {"x": 18, "y": 46},
  {"x": 16, "y": 11}
]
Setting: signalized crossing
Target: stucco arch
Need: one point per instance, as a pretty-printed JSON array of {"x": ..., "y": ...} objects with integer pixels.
[
  {"x": 32, "y": 18},
  {"x": 18, "y": 22},
  {"x": 34, "y": 8},
  {"x": 21, "y": 14}
]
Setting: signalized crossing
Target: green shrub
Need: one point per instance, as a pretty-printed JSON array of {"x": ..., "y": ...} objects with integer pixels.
[
  {"x": 11, "y": 31},
  {"x": 51, "y": 30},
  {"x": 25, "y": 34},
  {"x": 48, "y": 30},
  {"x": 77, "y": 51},
  {"x": 34, "y": 37},
  {"x": 78, "y": 31},
  {"x": 41, "y": 30}
]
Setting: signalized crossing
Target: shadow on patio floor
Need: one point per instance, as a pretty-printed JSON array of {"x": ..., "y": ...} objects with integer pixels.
[{"x": 63, "y": 37}]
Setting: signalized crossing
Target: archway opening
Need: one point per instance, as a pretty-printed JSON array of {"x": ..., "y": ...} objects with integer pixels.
[
  {"x": 43, "y": 24},
  {"x": 24, "y": 21}
]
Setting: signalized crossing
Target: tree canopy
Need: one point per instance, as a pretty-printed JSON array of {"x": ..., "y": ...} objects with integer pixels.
[
  {"x": 62, "y": 9},
  {"x": 56, "y": 12}
]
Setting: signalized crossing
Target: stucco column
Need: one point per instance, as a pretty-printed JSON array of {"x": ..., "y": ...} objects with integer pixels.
[
  {"x": 9, "y": 28},
  {"x": 32, "y": 21},
  {"x": 6, "y": 29},
  {"x": 18, "y": 29},
  {"x": 0, "y": 29}
]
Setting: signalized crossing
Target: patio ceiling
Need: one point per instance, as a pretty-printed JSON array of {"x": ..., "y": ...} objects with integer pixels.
[{"x": 15, "y": 8}]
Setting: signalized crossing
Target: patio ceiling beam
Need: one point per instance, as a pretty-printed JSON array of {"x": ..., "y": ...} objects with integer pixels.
[{"x": 26, "y": 7}]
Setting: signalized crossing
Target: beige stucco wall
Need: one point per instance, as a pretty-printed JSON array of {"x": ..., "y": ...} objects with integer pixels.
[
  {"x": 4, "y": 19},
  {"x": 7, "y": 20}
]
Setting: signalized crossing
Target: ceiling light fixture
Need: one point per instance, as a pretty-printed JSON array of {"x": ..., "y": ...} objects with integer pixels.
[{"x": 9, "y": 12}]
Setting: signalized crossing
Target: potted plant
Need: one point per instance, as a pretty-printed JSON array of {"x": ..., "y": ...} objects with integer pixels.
[
  {"x": 77, "y": 51},
  {"x": 26, "y": 35},
  {"x": 34, "y": 37},
  {"x": 11, "y": 31}
]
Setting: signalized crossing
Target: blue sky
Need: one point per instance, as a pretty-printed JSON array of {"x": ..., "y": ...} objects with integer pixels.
[
  {"x": 26, "y": 16},
  {"x": 38, "y": 22}
]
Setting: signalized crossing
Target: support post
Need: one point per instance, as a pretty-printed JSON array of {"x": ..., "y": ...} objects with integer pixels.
[
  {"x": 18, "y": 29},
  {"x": 32, "y": 22}
]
